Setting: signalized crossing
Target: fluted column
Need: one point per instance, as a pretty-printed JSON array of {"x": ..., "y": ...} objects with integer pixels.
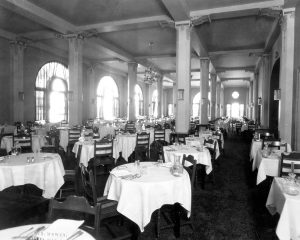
[
  {"x": 183, "y": 75},
  {"x": 251, "y": 100},
  {"x": 160, "y": 96},
  {"x": 92, "y": 98},
  {"x": 222, "y": 107},
  {"x": 266, "y": 63},
  {"x": 132, "y": 81},
  {"x": 218, "y": 96},
  {"x": 17, "y": 80},
  {"x": 286, "y": 74},
  {"x": 146, "y": 100},
  {"x": 75, "y": 80},
  {"x": 255, "y": 96},
  {"x": 213, "y": 89},
  {"x": 204, "y": 78}
]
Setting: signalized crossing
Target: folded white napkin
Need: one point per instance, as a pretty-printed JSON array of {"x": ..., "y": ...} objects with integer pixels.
[
  {"x": 121, "y": 172},
  {"x": 61, "y": 229}
]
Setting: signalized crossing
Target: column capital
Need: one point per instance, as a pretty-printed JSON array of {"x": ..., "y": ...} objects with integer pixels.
[
  {"x": 204, "y": 58},
  {"x": 186, "y": 23},
  {"x": 18, "y": 43}
]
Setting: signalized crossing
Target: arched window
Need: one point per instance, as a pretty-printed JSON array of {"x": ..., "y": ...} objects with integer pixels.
[
  {"x": 51, "y": 88},
  {"x": 139, "y": 101},
  {"x": 107, "y": 99},
  {"x": 196, "y": 105},
  {"x": 154, "y": 102}
]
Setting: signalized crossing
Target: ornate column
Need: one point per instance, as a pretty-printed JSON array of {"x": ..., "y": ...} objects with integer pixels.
[
  {"x": 204, "y": 78},
  {"x": 160, "y": 96},
  {"x": 213, "y": 89},
  {"x": 92, "y": 98},
  {"x": 183, "y": 75},
  {"x": 251, "y": 99},
  {"x": 222, "y": 107},
  {"x": 132, "y": 81},
  {"x": 266, "y": 63},
  {"x": 255, "y": 96},
  {"x": 286, "y": 74},
  {"x": 218, "y": 98},
  {"x": 17, "y": 80},
  {"x": 75, "y": 80},
  {"x": 146, "y": 100}
]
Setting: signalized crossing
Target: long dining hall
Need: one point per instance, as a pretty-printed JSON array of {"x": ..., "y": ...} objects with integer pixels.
[{"x": 149, "y": 119}]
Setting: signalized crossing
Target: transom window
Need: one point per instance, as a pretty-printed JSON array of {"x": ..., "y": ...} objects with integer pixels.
[
  {"x": 107, "y": 99},
  {"x": 51, "y": 87},
  {"x": 139, "y": 101}
]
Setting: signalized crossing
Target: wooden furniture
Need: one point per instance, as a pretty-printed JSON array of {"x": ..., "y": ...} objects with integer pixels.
[
  {"x": 23, "y": 141},
  {"x": 142, "y": 145},
  {"x": 286, "y": 163},
  {"x": 159, "y": 134},
  {"x": 79, "y": 205}
]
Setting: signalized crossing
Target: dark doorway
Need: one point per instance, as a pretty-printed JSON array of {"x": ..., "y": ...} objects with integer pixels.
[{"x": 274, "y": 104}]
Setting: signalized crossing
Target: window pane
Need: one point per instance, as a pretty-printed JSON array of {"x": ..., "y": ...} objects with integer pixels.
[
  {"x": 107, "y": 99},
  {"x": 39, "y": 102}
]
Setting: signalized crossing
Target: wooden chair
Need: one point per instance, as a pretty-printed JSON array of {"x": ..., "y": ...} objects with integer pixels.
[
  {"x": 176, "y": 210},
  {"x": 103, "y": 156},
  {"x": 110, "y": 209},
  {"x": 73, "y": 136},
  {"x": 278, "y": 145},
  {"x": 130, "y": 127},
  {"x": 52, "y": 142},
  {"x": 269, "y": 141},
  {"x": 24, "y": 141},
  {"x": 78, "y": 205},
  {"x": 211, "y": 145},
  {"x": 286, "y": 163},
  {"x": 238, "y": 127},
  {"x": 218, "y": 136},
  {"x": 159, "y": 134},
  {"x": 142, "y": 145},
  {"x": 71, "y": 177},
  {"x": 181, "y": 137}
]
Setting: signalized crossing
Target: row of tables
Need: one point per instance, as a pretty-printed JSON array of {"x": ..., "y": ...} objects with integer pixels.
[
  {"x": 46, "y": 171},
  {"x": 279, "y": 200}
]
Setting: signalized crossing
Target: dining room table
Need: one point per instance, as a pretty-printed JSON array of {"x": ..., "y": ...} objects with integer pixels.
[
  {"x": 152, "y": 185},
  {"x": 38, "y": 141},
  {"x": 266, "y": 165},
  {"x": 198, "y": 142},
  {"x": 45, "y": 170},
  {"x": 31, "y": 230},
  {"x": 201, "y": 155},
  {"x": 284, "y": 199},
  {"x": 256, "y": 144}
]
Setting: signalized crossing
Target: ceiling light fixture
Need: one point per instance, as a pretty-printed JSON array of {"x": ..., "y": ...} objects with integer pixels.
[{"x": 150, "y": 75}]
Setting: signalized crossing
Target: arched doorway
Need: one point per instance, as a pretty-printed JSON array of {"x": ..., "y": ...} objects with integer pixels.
[{"x": 274, "y": 104}]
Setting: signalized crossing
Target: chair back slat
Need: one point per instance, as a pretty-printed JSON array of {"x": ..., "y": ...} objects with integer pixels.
[
  {"x": 286, "y": 163},
  {"x": 103, "y": 147},
  {"x": 159, "y": 134}
]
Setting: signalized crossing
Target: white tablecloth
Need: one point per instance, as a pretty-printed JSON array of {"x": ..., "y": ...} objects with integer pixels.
[
  {"x": 46, "y": 172},
  {"x": 256, "y": 145},
  {"x": 198, "y": 141},
  {"x": 87, "y": 151},
  {"x": 125, "y": 144},
  {"x": 11, "y": 233},
  {"x": 267, "y": 166},
  {"x": 105, "y": 130},
  {"x": 201, "y": 157},
  {"x": 38, "y": 141},
  {"x": 63, "y": 137},
  {"x": 288, "y": 207},
  {"x": 140, "y": 197}
]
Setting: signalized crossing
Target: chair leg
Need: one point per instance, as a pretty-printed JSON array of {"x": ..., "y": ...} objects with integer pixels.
[{"x": 158, "y": 224}]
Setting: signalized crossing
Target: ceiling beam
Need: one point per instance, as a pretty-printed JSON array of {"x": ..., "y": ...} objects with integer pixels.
[
  {"x": 156, "y": 56},
  {"x": 238, "y": 7},
  {"x": 119, "y": 25},
  {"x": 225, "y": 69},
  {"x": 273, "y": 36},
  {"x": 235, "y": 79},
  {"x": 237, "y": 52},
  {"x": 178, "y": 9},
  {"x": 39, "y": 15}
]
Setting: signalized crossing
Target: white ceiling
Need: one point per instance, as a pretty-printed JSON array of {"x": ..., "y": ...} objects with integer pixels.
[{"x": 233, "y": 33}]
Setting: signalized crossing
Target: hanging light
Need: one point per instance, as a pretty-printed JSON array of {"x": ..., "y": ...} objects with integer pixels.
[{"x": 150, "y": 75}]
